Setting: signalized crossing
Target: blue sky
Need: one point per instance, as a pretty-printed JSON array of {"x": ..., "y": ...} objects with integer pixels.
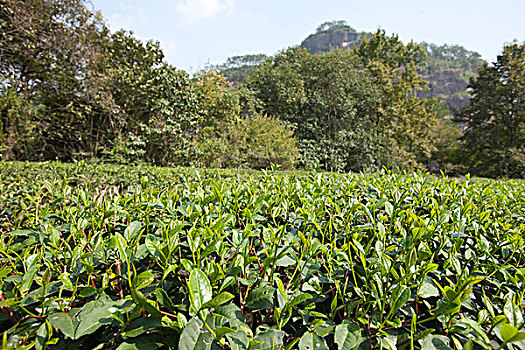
[{"x": 194, "y": 33}]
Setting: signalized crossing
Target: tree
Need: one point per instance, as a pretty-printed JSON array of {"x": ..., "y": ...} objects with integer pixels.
[
  {"x": 446, "y": 153},
  {"x": 236, "y": 68},
  {"x": 334, "y": 26},
  {"x": 97, "y": 94},
  {"x": 51, "y": 55},
  {"x": 495, "y": 119},
  {"x": 218, "y": 101},
  {"x": 16, "y": 124},
  {"x": 328, "y": 102},
  {"x": 218, "y": 105},
  {"x": 156, "y": 105},
  {"x": 403, "y": 119},
  {"x": 266, "y": 140},
  {"x": 229, "y": 137},
  {"x": 449, "y": 57}
]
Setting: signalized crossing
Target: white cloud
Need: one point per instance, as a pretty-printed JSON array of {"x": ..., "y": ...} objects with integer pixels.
[
  {"x": 194, "y": 10},
  {"x": 127, "y": 19}
]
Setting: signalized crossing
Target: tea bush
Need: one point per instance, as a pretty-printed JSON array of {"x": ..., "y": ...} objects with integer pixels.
[{"x": 104, "y": 256}]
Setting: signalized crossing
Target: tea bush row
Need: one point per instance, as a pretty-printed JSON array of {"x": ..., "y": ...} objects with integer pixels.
[{"x": 103, "y": 256}]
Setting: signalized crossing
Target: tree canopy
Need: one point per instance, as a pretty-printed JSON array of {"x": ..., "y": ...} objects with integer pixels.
[
  {"x": 403, "y": 118},
  {"x": 51, "y": 55},
  {"x": 327, "y": 102},
  {"x": 334, "y": 26},
  {"x": 352, "y": 110},
  {"x": 71, "y": 90},
  {"x": 495, "y": 119},
  {"x": 449, "y": 56}
]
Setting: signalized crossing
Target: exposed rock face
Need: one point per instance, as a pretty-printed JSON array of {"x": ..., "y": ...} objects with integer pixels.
[
  {"x": 331, "y": 40},
  {"x": 448, "y": 75},
  {"x": 449, "y": 85}
]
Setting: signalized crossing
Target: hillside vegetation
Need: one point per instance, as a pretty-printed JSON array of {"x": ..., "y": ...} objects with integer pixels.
[
  {"x": 71, "y": 90},
  {"x": 448, "y": 67}
]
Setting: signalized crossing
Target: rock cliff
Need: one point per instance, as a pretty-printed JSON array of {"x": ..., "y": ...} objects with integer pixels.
[{"x": 448, "y": 67}]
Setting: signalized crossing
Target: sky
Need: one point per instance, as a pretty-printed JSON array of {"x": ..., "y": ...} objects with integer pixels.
[{"x": 197, "y": 33}]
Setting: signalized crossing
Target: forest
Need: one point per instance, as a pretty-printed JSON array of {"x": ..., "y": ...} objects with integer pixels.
[{"x": 73, "y": 90}]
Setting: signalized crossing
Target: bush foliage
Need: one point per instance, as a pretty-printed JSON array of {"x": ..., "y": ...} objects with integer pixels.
[
  {"x": 72, "y": 90},
  {"x": 133, "y": 258}
]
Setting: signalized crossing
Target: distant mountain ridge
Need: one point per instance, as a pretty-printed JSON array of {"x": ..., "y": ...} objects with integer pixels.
[{"x": 448, "y": 69}]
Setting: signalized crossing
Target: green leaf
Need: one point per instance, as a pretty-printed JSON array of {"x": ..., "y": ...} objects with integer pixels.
[
  {"x": 510, "y": 334},
  {"x": 280, "y": 288},
  {"x": 285, "y": 261},
  {"x": 42, "y": 336},
  {"x": 199, "y": 288},
  {"x": 518, "y": 337},
  {"x": 121, "y": 246},
  {"x": 452, "y": 302},
  {"x": 292, "y": 343},
  {"x": 513, "y": 310},
  {"x": 389, "y": 208},
  {"x": 4, "y": 271},
  {"x": 92, "y": 317},
  {"x": 268, "y": 340},
  {"x": 140, "y": 299},
  {"x": 348, "y": 336},
  {"x": 226, "y": 282},
  {"x": 428, "y": 289},
  {"x": 399, "y": 298},
  {"x": 388, "y": 342},
  {"x": 433, "y": 342},
  {"x": 195, "y": 336},
  {"x": 381, "y": 231},
  {"x": 311, "y": 341},
  {"x": 222, "y": 331},
  {"x": 507, "y": 332},
  {"x": 477, "y": 328},
  {"x": 239, "y": 340},
  {"x": 132, "y": 230},
  {"x": 260, "y": 298},
  {"x": 468, "y": 345},
  {"x": 65, "y": 278},
  {"x": 87, "y": 292},
  {"x": 29, "y": 278},
  {"x": 140, "y": 326},
  {"x": 423, "y": 334},
  {"x": 144, "y": 342},
  {"x": 299, "y": 299},
  {"x": 229, "y": 312},
  {"x": 218, "y": 300},
  {"x": 41, "y": 293},
  {"x": 75, "y": 324},
  {"x": 143, "y": 280},
  {"x": 64, "y": 322},
  {"x": 163, "y": 299},
  {"x": 497, "y": 320},
  {"x": 450, "y": 294}
]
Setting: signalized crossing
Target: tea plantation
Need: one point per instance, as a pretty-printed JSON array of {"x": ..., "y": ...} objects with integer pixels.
[{"x": 114, "y": 257}]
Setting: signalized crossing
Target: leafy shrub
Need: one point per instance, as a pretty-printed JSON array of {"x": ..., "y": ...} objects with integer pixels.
[
  {"x": 252, "y": 142},
  {"x": 16, "y": 124},
  {"x": 104, "y": 256}
]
